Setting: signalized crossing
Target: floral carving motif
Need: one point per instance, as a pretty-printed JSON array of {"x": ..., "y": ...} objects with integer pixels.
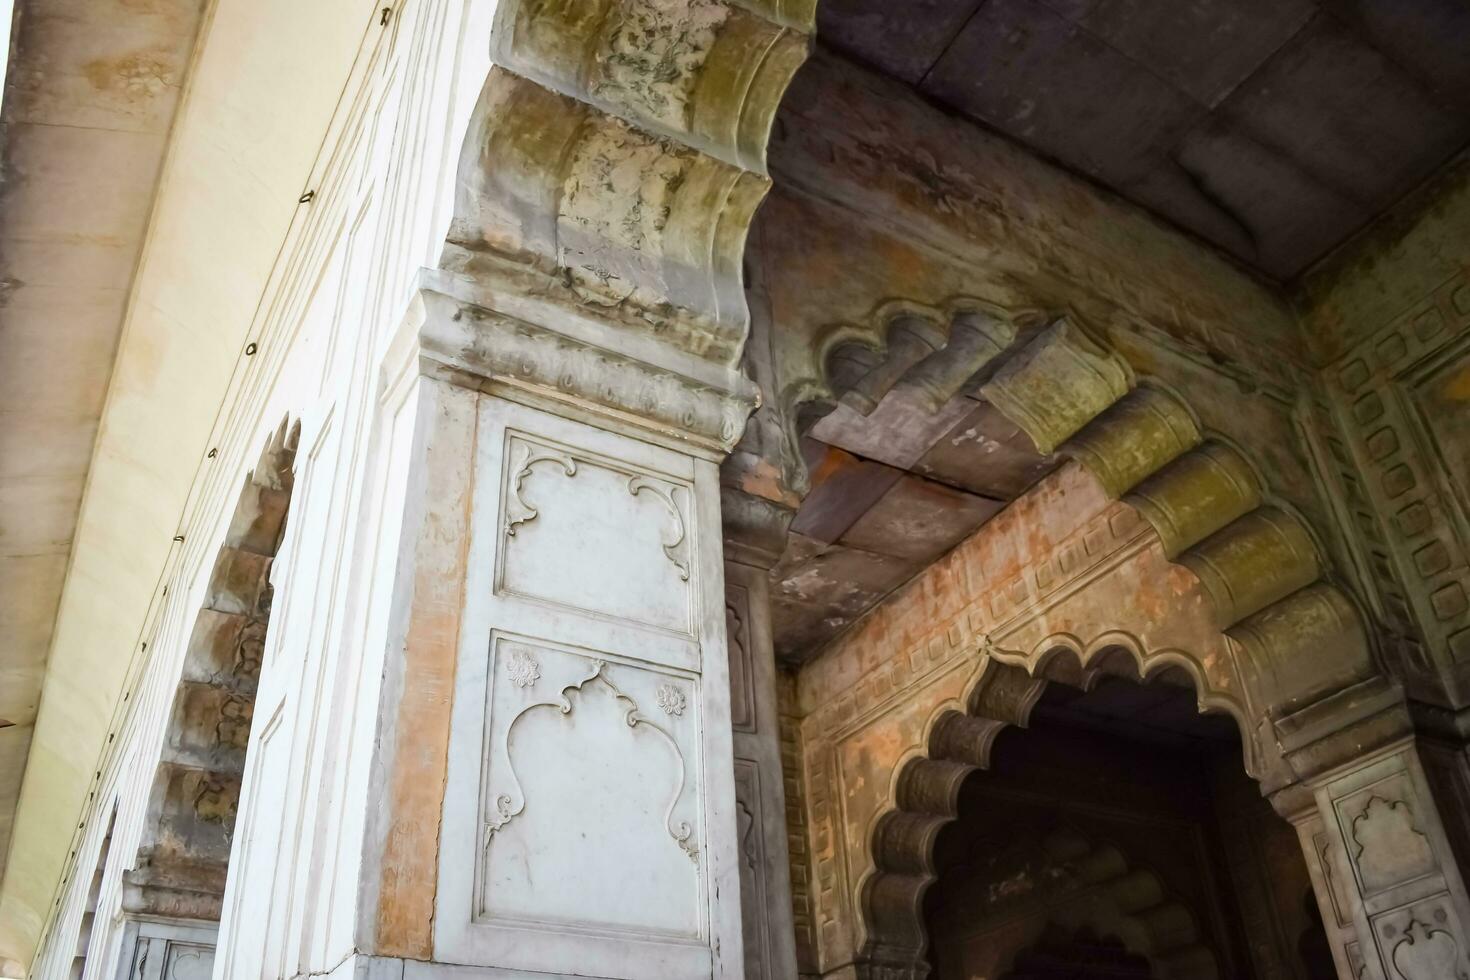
[
  {"x": 510, "y": 802},
  {"x": 671, "y": 699},
  {"x": 522, "y": 668}
]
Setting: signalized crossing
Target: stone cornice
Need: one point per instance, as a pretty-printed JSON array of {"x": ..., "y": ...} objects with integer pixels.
[{"x": 580, "y": 363}]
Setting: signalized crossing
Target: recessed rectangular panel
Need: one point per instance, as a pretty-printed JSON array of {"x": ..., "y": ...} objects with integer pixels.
[
  {"x": 583, "y": 827},
  {"x": 595, "y": 534},
  {"x": 590, "y": 794},
  {"x": 742, "y": 658}
]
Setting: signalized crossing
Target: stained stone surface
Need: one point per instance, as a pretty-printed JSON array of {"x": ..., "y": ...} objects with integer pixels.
[{"x": 1271, "y": 129}]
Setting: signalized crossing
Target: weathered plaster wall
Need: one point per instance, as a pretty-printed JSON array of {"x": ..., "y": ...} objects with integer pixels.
[
  {"x": 1389, "y": 317},
  {"x": 91, "y": 94}
]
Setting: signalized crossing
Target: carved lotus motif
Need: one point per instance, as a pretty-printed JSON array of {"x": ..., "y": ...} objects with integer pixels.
[
  {"x": 522, "y": 668},
  {"x": 671, "y": 699}
]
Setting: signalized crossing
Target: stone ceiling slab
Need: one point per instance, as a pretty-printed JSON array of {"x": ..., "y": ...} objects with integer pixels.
[
  {"x": 899, "y": 431},
  {"x": 1344, "y": 113},
  {"x": 1190, "y": 109},
  {"x": 1281, "y": 214},
  {"x": 843, "y": 487},
  {"x": 919, "y": 520},
  {"x": 1204, "y": 48},
  {"x": 905, "y": 48},
  {"x": 818, "y": 590},
  {"x": 986, "y": 454},
  {"x": 1425, "y": 39},
  {"x": 1025, "y": 70}
]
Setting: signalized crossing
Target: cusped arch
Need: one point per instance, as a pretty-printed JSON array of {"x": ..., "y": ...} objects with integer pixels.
[
  {"x": 616, "y": 157},
  {"x": 1117, "y": 653},
  {"x": 958, "y": 739}
]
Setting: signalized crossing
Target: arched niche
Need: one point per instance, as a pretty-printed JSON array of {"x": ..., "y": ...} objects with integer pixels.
[
  {"x": 184, "y": 852},
  {"x": 1072, "y": 878}
]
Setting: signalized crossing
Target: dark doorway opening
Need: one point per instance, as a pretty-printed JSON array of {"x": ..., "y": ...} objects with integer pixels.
[{"x": 1119, "y": 836}]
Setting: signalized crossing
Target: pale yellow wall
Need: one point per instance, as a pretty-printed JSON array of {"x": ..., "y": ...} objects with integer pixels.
[{"x": 262, "y": 92}]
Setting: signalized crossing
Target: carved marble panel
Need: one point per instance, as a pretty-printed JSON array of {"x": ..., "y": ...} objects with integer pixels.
[
  {"x": 1387, "y": 846},
  {"x": 590, "y": 781},
  {"x": 1420, "y": 942},
  {"x": 596, "y": 534},
  {"x": 188, "y": 961},
  {"x": 160, "y": 948},
  {"x": 755, "y": 897},
  {"x": 1393, "y": 870},
  {"x": 742, "y": 664},
  {"x": 589, "y": 817}
]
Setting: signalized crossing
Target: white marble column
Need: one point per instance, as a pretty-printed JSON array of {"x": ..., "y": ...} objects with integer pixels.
[
  {"x": 760, "y": 798},
  {"x": 1392, "y": 895},
  {"x": 556, "y": 792}
]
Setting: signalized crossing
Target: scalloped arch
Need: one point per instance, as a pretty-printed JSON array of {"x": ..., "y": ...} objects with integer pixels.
[
  {"x": 958, "y": 736},
  {"x": 1147, "y": 664}
]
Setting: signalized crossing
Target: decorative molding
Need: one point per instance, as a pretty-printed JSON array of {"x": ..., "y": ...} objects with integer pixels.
[
  {"x": 754, "y": 890},
  {"x": 1390, "y": 848},
  {"x": 743, "y": 716},
  {"x": 1058, "y": 383},
  {"x": 508, "y": 803},
  {"x": 1417, "y": 546},
  {"x": 676, "y": 550},
  {"x": 576, "y": 364},
  {"x": 517, "y": 511}
]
